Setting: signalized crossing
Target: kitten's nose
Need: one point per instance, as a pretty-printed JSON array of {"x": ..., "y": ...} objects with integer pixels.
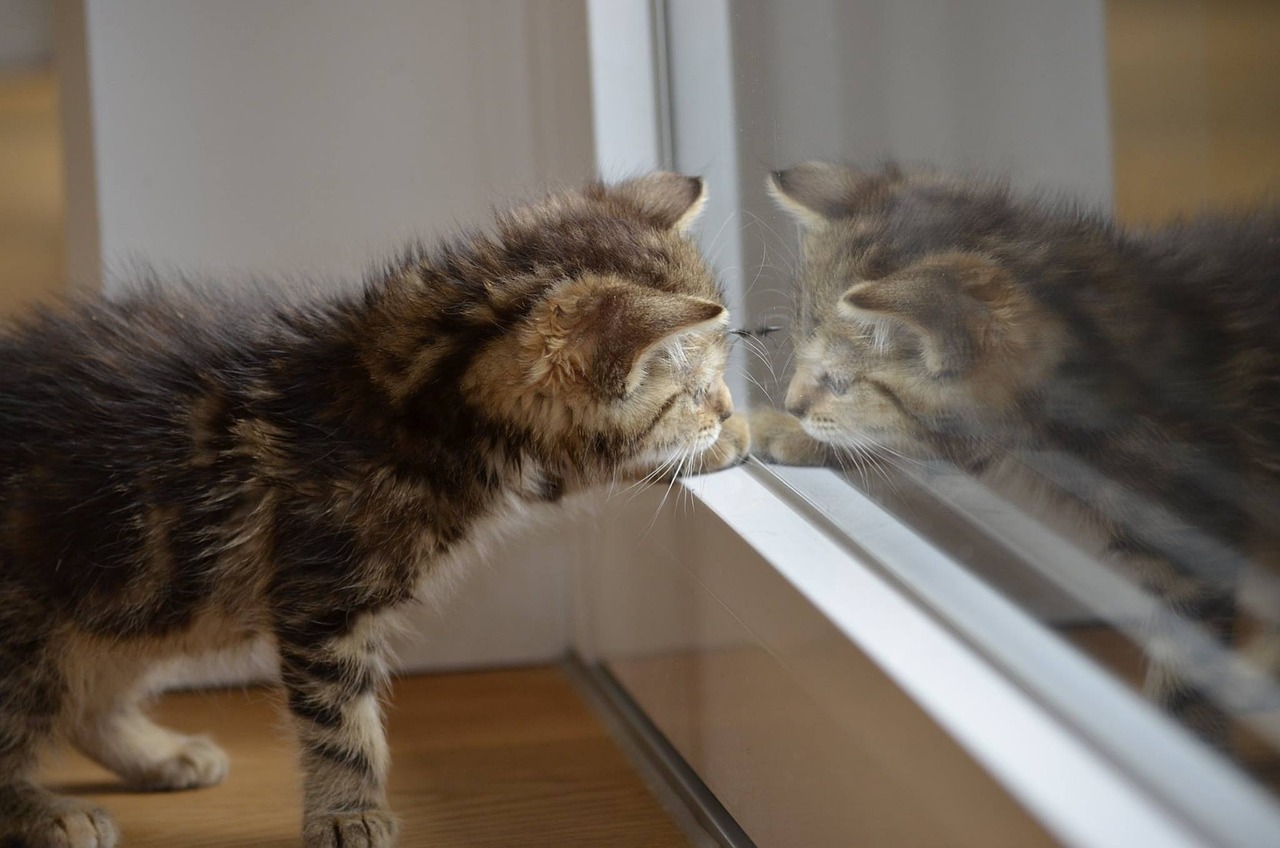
[
  {"x": 723, "y": 402},
  {"x": 798, "y": 405}
]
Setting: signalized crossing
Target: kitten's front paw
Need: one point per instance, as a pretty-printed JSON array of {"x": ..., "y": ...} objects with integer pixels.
[
  {"x": 730, "y": 449},
  {"x": 364, "y": 829},
  {"x": 778, "y": 437},
  {"x": 198, "y": 763}
]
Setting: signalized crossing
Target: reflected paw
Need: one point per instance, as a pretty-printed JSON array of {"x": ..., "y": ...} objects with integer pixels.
[
  {"x": 365, "y": 829},
  {"x": 779, "y": 438}
]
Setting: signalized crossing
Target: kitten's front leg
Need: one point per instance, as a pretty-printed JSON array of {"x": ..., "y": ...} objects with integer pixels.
[
  {"x": 729, "y": 449},
  {"x": 1169, "y": 679},
  {"x": 333, "y": 683}
]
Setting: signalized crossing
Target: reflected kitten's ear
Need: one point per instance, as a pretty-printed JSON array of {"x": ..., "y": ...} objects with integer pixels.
[
  {"x": 814, "y": 193},
  {"x": 607, "y": 330},
  {"x": 670, "y": 201}
]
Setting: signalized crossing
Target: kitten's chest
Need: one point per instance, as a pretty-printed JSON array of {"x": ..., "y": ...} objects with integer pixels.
[
  {"x": 426, "y": 534},
  {"x": 439, "y": 572}
]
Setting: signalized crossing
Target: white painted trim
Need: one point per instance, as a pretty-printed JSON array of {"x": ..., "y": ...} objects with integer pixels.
[
  {"x": 703, "y": 130},
  {"x": 1160, "y": 765},
  {"x": 635, "y": 113},
  {"x": 1074, "y": 787},
  {"x": 626, "y": 99}
]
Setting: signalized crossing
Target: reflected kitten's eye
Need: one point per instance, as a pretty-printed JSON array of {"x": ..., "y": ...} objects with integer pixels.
[{"x": 836, "y": 385}]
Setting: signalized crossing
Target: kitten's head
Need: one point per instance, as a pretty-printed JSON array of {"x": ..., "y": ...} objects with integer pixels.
[
  {"x": 913, "y": 329},
  {"x": 613, "y": 344}
]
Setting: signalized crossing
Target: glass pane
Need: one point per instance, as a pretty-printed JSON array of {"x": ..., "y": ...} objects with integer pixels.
[{"x": 1045, "y": 334}]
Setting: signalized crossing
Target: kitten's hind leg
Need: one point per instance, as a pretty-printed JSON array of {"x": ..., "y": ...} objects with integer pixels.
[
  {"x": 32, "y": 699},
  {"x": 148, "y": 756},
  {"x": 112, "y": 728}
]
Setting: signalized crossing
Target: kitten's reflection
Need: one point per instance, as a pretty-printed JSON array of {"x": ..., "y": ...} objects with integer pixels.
[{"x": 1134, "y": 380}]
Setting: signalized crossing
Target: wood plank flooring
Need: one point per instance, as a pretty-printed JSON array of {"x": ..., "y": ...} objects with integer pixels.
[
  {"x": 31, "y": 238},
  {"x": 496, "y": 758}
]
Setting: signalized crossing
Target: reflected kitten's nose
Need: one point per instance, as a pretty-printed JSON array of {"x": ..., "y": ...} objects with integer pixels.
[
  {"x": 799, "y": 399},
  {"x": 801, "y": 394}
]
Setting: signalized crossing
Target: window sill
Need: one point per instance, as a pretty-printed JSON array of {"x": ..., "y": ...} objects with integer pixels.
[{"x": 1086, "y": 758}]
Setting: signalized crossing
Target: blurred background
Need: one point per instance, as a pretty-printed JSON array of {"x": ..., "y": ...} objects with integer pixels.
[
  {"x": 232, "y": 135},
  {"x": 274, "y": 137},
  {"x": 1195, "y": 104}
]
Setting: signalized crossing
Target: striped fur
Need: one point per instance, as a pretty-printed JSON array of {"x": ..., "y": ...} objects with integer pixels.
[
  {"x": 1131, "y": 377},
  {"x": 186, "y": 468}
]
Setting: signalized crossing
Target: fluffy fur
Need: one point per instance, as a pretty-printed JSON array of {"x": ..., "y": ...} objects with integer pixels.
[
  {"x": 1136, "y": 375},
  {"x": 185, "y": 470}
]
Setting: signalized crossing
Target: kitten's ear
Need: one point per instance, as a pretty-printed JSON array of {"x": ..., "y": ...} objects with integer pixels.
[
  {"x": 606, "y": 332},
  {"x": 814, "y": 193},
  {"x": 950, "y": 301},
  {"x": 630, "y": 323},
  {"x": 670, "y": 201}
]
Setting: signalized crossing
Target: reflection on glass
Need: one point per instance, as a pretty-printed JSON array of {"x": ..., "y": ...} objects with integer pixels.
[
  {"x": 1085, "y": 413},
  {"x": 1132, "y": 380}
]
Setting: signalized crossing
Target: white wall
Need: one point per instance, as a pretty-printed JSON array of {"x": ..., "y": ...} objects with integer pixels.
[
  {"x": 997, "y": 84},
  {"x": 287, "y": 135},
  {"x": 292, "y": 136}
]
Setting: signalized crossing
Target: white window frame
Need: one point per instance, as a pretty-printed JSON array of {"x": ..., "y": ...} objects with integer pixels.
[{"x": 1009, "y": 692}]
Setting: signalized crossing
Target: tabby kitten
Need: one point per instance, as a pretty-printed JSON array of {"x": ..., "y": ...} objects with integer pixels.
[
  {"x": 1134, "y": 376},
  {"x": 183, "y": 471}
]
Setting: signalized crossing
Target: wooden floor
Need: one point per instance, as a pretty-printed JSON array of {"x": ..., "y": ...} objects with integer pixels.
[
  {"x": 499, "y": 758},
  {"x": 31, "y": 213}
]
